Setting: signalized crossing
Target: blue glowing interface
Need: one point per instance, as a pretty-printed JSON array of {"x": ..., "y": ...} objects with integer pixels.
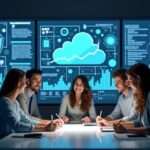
[
  {"x": 136, "y": 42},
  {"x": 69, "y": 48},
  {"x": 16, "y": 46}
]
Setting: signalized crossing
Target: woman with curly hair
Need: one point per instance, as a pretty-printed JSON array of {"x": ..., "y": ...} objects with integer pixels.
[
  {"x": 139, "y": 81},
  {"x": 78, "y": 106}
]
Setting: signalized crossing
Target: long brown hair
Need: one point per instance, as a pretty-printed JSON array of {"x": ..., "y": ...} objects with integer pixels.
[
  {"x": 140, "y": 74},
  {"x": 11, "y": 81},
  {"x": 86, "y": 95}
]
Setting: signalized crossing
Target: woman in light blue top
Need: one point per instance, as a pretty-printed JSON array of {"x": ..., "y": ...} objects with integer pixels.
[
  {"x": 78, "y": 106},
  {"x": 12, "y": 117}
]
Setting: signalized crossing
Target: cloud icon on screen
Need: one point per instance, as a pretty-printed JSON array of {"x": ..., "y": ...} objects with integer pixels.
[{"x": 81, "y": 50}]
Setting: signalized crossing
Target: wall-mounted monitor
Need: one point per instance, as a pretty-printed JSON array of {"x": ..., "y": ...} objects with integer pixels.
[
  {"x": 69, "y": 48},
  {"x": 17, "y": 47},
  {"x": 136, "y": 42}
]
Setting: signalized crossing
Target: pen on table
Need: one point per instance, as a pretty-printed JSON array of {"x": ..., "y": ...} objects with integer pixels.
[
  {"x": 51, "y": 118},
  {"x": 59, "y": 117},
  {"x": 100, "y": 114}
]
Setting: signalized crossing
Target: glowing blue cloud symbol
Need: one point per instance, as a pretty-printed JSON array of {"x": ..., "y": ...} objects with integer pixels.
[{"x": 81, "y": 50}]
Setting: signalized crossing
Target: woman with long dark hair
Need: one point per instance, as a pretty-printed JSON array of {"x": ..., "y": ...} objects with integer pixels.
[
  {"x": 139, "y": 81},
  {"x": 12, "y": 117},
  {"x": 78, "y": 105}
]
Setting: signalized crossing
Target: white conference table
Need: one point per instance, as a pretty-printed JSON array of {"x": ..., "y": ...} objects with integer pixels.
[{"x": 76, "y": 136}]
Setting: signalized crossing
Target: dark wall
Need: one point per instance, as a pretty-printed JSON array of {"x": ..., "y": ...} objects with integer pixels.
[
  {"x": 47, "y": 110},
  {"x": 74, "y": 9}
]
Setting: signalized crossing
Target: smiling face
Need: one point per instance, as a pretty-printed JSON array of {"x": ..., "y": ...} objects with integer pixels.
[
  {"x": 132, "y": 83},
  {"x": 120, "y": 84},
  {"x": 78, "y": 86},
  {"x": 35, "y": 82}
]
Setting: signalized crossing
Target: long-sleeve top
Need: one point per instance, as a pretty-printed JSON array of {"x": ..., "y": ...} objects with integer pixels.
[
  {"x": 12, "y": 118},
  {"x": 144, "y": 118},
  {"x": 28, "y": 103},
  {"x": 146, "y": 114},
  {"x": 125, "y": 108},
  {"x": 75, "y": 113}
]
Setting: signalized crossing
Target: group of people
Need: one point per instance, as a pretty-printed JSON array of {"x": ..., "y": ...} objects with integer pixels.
[
  {"x": 19, "y": 110},
  {"x": 132, "y": 112},
  {"x": 15, "y": 117}
]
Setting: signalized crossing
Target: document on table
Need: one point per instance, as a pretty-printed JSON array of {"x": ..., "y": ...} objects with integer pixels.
[{"x": 107, "y": 128}]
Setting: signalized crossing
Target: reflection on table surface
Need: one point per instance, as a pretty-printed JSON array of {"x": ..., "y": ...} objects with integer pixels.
[{"x": 74, "y": 136}]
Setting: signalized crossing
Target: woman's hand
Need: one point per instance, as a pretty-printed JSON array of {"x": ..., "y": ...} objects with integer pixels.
[
  {"x": 65, "y": 119},
  {"x": 50, "y": 127},
  {"x": 120, "y": 128},
  {"x": 44, "y": 122},
  {"x": 39, "y": 128},
  {"x": 86, "y": 119},
  {"x": 129, "y": 128},
  {"x": 59, "y": 122},
  {"x": 101, "y": 122}
]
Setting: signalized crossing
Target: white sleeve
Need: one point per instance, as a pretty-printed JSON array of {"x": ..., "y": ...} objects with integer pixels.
[
  {"x": 116, "y": 113},
  {"x": 63, "y": 106},
  {"x": 92, "y": 112}
]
